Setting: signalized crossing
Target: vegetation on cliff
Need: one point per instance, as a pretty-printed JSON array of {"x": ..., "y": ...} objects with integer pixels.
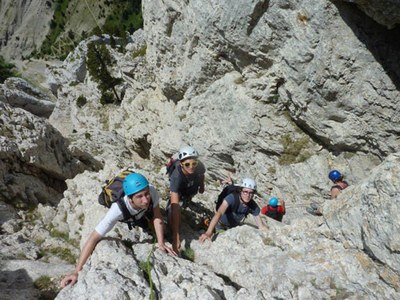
[
  {"x": 115, "y": 18},
  {"x": 6, "y": 70}
]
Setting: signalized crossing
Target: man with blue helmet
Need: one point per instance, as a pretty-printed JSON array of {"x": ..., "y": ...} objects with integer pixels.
[
  {"x": 337, "y": 178},
  {"x": 274, "y": 210},
  {"x": 339, "y": 184},
  {"x": 140, "y": 200}
]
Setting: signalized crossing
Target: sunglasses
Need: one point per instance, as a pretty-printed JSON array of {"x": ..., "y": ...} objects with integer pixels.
[
  {"x": 192, "y": 164},
  {"x": 248, "y": 193}
]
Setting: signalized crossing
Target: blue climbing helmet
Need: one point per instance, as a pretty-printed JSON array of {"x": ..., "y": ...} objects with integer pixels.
[
  {"x": 273, "y": 202},
  {"x": 335, "y": 175},
  {"x": 134, "y": 183}
]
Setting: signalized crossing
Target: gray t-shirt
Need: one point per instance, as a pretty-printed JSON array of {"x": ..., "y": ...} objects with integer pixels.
[
  {"x": 237, "y": 210},
  {"x": 186, "y": 185}
]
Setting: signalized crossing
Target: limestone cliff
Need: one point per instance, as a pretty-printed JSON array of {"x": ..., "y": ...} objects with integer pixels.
[
  {"x": 282, "y": 91},
  {"x": 25, "y": 26}
]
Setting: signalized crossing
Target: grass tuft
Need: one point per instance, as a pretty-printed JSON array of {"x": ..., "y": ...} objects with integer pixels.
[
  {"x": 294, "y": 151},
  {"x": 188, "y": 254}
]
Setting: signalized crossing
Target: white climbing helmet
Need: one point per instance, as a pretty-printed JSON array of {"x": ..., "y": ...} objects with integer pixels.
[
  {"x": 187, "y": 152},
  {"x": 249, "y": 183}
]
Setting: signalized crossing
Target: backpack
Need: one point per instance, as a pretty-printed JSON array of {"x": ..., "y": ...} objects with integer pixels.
[
  {"x": 171, "y": 165},
  {"x": 112, "y": 191},
  {"x": 229, "y": 189},
  {"x": 273, "y": 213}
]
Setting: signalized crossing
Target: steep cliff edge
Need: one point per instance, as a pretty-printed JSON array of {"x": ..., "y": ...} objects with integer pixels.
[
  {"x": 279, "y": 91},
  {"x": 52, "y": 28},
  {"x": 21, "y": 29}
]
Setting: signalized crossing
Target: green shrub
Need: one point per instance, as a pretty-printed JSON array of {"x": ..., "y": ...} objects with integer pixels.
[
  {"x": 98, "y": 61},
  {"x": 81, "y": 219},
  {"x": 48, "y": 288},
  {"x": 348, "y": 155},
  {"x": 56, "y": 28},
  {"x": 42, "y": 283},
  {"x": 63, "y": 253},
  {"x": 269, "y": 242},
  {"x": 123, "y": 16},
  {"x": 140, "y": 52},
  {"x": 59, "y": 234},
  {"x": 146, "y": 267},
  {"x": 6, "y": 70},
  {"x": 126, "y": 15},
  {"x": 188, "y": 254},
  {"x": 81, "y": 101},
  {"x": 32, "y": 214},
  {"x": 294, "y": 151},
  {"x": 39, "y": 241},
  {"x": 272, "y": 170},
  {"x": 107, "y": 98}
]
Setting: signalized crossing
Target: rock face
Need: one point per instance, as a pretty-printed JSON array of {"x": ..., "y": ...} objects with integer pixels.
[
  {"x": 25, "y": 24},
  {"x": 279, "y": 91},
  {"x": 35, "y": 159},
  {"x": 310, "y": 258},
  {"x": 21, "y": 30},
  {"x": 369, "y": 216},
  {"x": 384, "y": 12},
  {"x": 19, "y": 93},
  {"x": 290, "y": 53}
]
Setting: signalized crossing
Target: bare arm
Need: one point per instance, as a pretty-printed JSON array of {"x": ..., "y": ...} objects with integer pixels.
[
  {"x": 283, "y": 205},
  {"x": 159, "y": 229},
  {"x": 175, "y": 221},
  {"x": 214, "y": 221},
  {"x": 260, "y": 223},
  {"x": 227, "y": 180},
  {"x": 334, "y": 193},
  {"x": 87, "y": 250}
]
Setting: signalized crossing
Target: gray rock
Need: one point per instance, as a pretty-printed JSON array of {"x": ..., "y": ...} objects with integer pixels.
[
  {"x": 7, "y": 212},
  {"x": 368, "y": 215},
  {"x": 18, "y": 277},
  {"x": 280, "y": 91},
  {"x": 120, "y": 276},
  {"x": 19, "y": 93},
  {"x": 296, "y": 261},
  {"x": 23, "y": 26},
  {"x": 384, "y": 12},
  {"x": 35, "y": 159}
]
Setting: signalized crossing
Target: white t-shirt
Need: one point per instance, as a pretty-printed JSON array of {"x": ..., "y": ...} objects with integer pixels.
[{"x": 114, "y": 214}]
